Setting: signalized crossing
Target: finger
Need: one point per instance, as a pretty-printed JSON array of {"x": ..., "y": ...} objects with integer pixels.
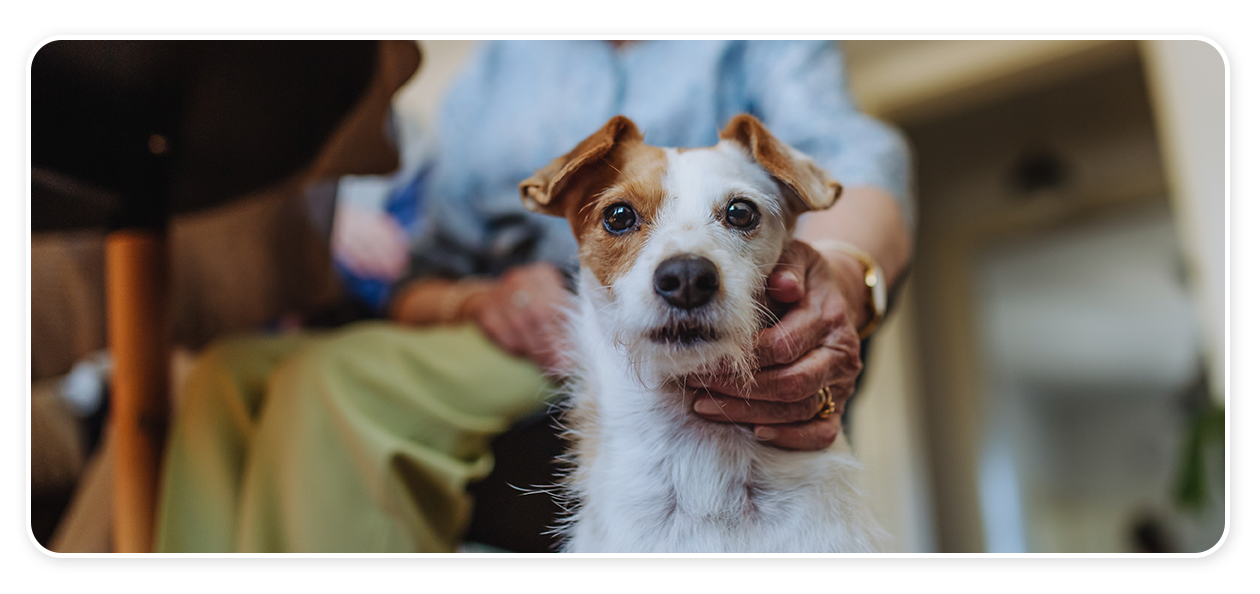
[
  {"x": 715, "y": 407},
  {"x": 519, "y": 325},
  {"x": 554, "y": 340},
  {"x": 492, "y": 326},
  {"x": 500, "y": 331},
  {"x": 547, "y": 288},
  {"x": 545, "y": 315},
  {"x": 545, "y": 335},
  {"x": 824, "y": 366},
  {"x": 788, "y": 383},
  {"x": 811, "y": 435},
  {"x": 796, "y": 333},
  {"x": 539, "y": 314},
  {"x": 785, "y": 284},
  {"x": 534, "y": 331},
  {"x": 555, "y": 300}
]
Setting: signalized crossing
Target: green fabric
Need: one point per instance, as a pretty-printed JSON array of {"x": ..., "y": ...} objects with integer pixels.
[{"x": 362, "y": 440}]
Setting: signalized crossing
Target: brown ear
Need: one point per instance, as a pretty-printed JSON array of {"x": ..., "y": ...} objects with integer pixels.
[
  {"x": 552, "y": 188},
  {"x": 814, "y": 189}
]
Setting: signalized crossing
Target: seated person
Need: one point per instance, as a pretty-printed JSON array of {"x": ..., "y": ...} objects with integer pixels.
[{"x": 364, "y": 439}]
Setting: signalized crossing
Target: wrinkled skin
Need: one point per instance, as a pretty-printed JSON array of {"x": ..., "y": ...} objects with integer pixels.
[{"x": 814, "y": 345}]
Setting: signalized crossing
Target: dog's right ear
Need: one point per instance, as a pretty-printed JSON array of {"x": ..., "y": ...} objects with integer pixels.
[{"x": 567, "y": 180}]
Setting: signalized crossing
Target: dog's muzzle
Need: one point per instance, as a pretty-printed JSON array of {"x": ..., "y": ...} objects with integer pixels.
[{"x": 686, "y": 282}]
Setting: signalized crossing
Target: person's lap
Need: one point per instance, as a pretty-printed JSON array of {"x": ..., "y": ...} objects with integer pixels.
[{"x": 360, "y": 440}]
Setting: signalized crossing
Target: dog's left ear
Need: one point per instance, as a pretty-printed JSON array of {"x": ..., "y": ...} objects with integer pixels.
[{"x": 812, "y": 187}]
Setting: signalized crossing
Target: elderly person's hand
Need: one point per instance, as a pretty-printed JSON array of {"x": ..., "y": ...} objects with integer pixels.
[
  {"x": 523, "y": 313},
  {"x": 815, "y": 345}
]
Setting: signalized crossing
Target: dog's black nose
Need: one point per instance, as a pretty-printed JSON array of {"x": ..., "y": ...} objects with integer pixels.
[{"x": 686, "y": 282}]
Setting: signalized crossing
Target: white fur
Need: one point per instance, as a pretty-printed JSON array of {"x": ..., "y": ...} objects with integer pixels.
[{"x": 650, "y": 475}]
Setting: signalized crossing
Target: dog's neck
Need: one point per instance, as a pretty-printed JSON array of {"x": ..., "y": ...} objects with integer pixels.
[
  {"x": 639, "y": 453},
  {"x": 651, "y": 476},
  {"x": 634, "y": 430}
]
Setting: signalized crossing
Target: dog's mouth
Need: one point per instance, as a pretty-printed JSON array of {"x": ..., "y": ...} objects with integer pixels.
[{"x": 684, "y": 334}]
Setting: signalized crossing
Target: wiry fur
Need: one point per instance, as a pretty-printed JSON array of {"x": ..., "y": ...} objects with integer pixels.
[{"x": 648, "y": 475}]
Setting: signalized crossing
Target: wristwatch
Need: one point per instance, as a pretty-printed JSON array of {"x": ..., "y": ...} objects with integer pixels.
[{"x": 876, "y": 288}]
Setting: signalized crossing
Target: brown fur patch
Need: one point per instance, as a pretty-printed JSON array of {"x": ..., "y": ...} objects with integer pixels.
[
  {"x": 638, "y": 171},
  {"x": 610, "y": 166}
]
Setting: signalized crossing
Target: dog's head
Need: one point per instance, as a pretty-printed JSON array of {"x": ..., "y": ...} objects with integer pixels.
[{"x": 675, "y": 244}]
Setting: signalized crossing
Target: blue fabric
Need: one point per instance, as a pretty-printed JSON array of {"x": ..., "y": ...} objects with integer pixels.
[
  {"x": 520, "y": 104},
  {"x": 403, "y": 205},
  {"x": 370, "y": 290}
]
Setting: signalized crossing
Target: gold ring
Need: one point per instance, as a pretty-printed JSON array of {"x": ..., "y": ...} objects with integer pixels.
[{"x": 828, "y": 405}]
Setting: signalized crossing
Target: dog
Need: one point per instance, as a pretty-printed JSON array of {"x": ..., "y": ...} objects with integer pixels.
[{"x": 675, "y": 246}]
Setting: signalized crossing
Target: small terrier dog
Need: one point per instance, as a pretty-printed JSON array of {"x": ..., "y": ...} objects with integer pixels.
[{"x": 675, "y": 247}]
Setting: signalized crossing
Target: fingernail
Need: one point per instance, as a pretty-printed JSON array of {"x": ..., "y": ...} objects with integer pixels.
[
  {"x": 766, "y": 433},
  {"x": 707, "y": 406}
]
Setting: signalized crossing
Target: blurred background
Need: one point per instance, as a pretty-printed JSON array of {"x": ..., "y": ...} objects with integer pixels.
[
  {"x": 1051, "y": 376},
  {"x": 1054, "y": 367}
]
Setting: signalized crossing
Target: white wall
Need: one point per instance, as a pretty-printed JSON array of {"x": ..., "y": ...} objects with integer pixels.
[
  {"x": 888, "y": 434},
  {"x": 1188, "y": 90}
]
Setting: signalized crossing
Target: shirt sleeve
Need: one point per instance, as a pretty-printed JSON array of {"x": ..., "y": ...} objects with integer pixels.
[{"x": 799, "y": 90}]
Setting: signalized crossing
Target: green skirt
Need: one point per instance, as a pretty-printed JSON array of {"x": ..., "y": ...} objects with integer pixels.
[{"x": 360, "y": 440}]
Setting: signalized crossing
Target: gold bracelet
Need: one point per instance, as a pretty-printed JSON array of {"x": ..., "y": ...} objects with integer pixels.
[
  {"x": 876, "y": 291},
  {"x": 456, "y": 296}
]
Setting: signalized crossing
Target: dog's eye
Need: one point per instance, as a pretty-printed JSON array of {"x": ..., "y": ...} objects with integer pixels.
[
  {"x": 742, "y": 214},
  {"x": 619, "y": 218}
]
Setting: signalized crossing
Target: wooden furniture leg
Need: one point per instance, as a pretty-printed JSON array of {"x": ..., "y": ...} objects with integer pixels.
[
  {"x": 136, "y": 298},
  {"x": 161, "y": 144}
]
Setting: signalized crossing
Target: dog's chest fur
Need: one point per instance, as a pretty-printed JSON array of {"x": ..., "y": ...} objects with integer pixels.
[{"x": 652, "y": 478}]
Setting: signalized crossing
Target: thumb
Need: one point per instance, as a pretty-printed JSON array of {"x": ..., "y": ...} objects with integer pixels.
[{"x": 786, "y": 283}]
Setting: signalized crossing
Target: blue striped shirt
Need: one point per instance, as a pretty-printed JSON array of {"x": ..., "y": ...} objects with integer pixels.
[{"x": 520, "y": 104}]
